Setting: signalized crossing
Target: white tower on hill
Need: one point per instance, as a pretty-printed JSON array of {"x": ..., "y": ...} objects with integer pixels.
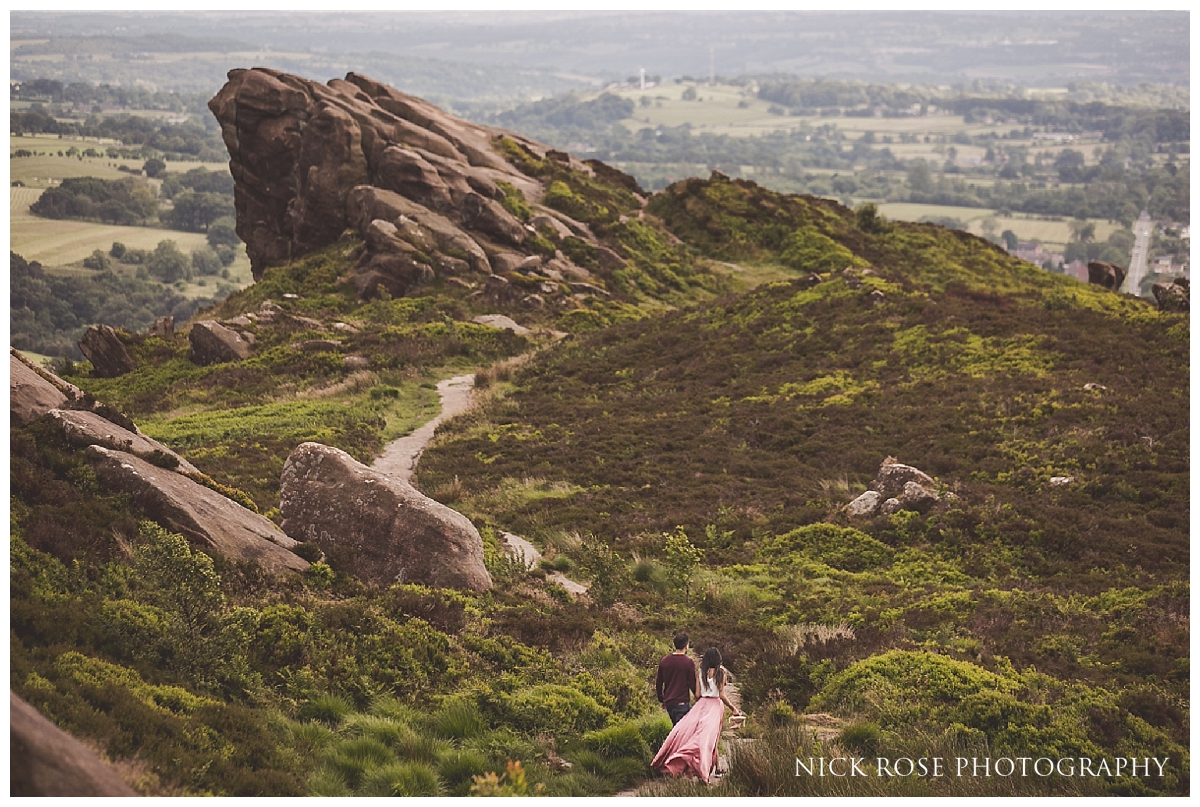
[{"x": 643, "y": 73}]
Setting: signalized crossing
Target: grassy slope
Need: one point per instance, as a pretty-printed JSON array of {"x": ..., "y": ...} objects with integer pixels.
[{"x": 745, "y": 417}]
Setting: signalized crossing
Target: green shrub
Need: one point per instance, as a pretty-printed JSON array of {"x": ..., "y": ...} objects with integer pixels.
[
  {"x": 554, "y": 709},
  {"x": 354, "y": 759},
  {"x": 780, "y": 713},
  {"x": 861, "y": 738},
  {"x": 654, "y": 729},
  {"x": 808, "y": 250},
  {"x": 840, "y": 547},
  {"x": 458, "y": 766},
  {"x": 459, "y": 719},
  {"x": 328, "y": 709},
  {"x": 402, "y": 779},
  {"x": 621, "y": 740}
]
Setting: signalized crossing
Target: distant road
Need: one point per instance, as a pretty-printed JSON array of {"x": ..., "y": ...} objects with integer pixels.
[{"x": 1141, "y": 246}]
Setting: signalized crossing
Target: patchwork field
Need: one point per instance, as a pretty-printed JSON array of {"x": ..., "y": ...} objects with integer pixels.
[
  {"x": 60, "y": 243},
  {"x": 46, "y": 168},
  {"x": 1051, "y": 233}
]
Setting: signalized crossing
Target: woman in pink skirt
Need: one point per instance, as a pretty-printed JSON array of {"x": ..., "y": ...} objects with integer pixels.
[{"x": 691, "y": 747}]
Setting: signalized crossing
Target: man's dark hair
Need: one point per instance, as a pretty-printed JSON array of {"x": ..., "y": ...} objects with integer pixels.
[{"x": 681, "y": 641}]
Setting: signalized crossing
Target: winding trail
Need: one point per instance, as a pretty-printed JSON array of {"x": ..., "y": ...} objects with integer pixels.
[{"x": 400, "y": 457}]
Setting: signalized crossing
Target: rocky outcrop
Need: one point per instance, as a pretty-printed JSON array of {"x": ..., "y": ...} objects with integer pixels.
[
  {"x": 163, "y": 326},
  {"x": 1174, "y": 296},
  {"x": 298, "y": 148},
  {"x": 502, "y": 322},
  {"x": 381, "y": 527},
  {"x": 427, "y": 192},
  {"x": 107, "y": 353},
  {"x": 214, "y": 343},
  {"x": 896, "y": 487},
  {"x": 84, "y": 429},
  {"x": 31, "y": 394},
  {"x": 893, "y": 477},
  {"x": 864, "y": 505},
  {"x": 46, "y": 761},
  {"x": 1108, "y": 275},
  {"x": 209, "y": 520}
]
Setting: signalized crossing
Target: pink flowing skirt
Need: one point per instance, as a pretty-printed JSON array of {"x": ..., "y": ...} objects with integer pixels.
[{"x": 692, "y": 744}]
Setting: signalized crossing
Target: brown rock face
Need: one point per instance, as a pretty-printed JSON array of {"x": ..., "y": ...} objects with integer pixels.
[
  {"x": 386, "y": 530},
  {"x": 104, "y": 349},
  {"x": 205, "y": 517},
  {"x": 30, "y": 394},
  {"x": 1173, "y": 296},
  {"x": 422, "y": 188},
  {"x": 46, "y": 761},
  {"x": 1108, "y": 275},
  {"x": 84, "y": 429},
  {"x": 213, "y": 343},
  {"x": 893, "y": 477},
  {"x": 298, "y": 148}
]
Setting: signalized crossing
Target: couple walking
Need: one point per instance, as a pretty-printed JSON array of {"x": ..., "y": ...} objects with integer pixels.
[{"x": 691, "y": 747}]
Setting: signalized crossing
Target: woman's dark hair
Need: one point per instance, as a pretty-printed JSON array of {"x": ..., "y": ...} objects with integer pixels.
[{"x": 712, "y": 661}]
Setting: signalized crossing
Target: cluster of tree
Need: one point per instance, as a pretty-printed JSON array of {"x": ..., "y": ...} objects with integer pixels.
[
  {"x": 567, "y": 112},
  {"x": 200, "y": 180},
  {"x": 809, "y": 94},
  {"x": 115, "y": 201},
  {"x": 167, "y": 263},
  {"x": 48, "y": 314},
  {"x": 1165, "y": 193},
  {"x": 199, "y": 198},
  {"x": 86, "y": 94},
  {"x": 189, "y": 140}
]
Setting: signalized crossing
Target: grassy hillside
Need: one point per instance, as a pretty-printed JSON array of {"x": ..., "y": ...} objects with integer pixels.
[{"x": 687, "y": 451}]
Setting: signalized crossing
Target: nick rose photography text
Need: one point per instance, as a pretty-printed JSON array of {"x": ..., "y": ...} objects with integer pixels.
[{"x": 981, "y": 766}]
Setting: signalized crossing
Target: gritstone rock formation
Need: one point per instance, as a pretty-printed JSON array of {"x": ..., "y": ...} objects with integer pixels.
[
  {"x": 46, "y": 761},
  {"x": 83, "y": 429},
  {"x": 214, "y": 343},
  {"x": 1108, "y": 275},
  {"x": 1173, "y": 296},
  {"x": 205, "y": 517},
  {"x": 422, "y": 188},
  {"x": 389, "y": 531},
  {"x": 896, "y": 487},
  {"x": 30, "y": 393},
  {"x": 107, "y": 353}
]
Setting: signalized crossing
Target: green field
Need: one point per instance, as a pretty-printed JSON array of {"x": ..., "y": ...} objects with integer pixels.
[
  {"x": 61, "y": 243},
  {"x": 1051, "y": 233},
  {"x": 730, "y": 110},
  {"x": 46, "y": 167}
]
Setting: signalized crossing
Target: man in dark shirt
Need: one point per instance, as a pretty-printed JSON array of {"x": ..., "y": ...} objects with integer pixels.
[{"x": 676, "y": 682}]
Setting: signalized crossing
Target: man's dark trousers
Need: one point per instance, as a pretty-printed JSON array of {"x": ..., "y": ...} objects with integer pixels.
[{"x": 676, "y": 711}]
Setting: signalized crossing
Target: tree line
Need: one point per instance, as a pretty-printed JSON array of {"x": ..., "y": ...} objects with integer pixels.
[
  {"x": 48, "y": 314},
  {"x": 198, "y": 198}
]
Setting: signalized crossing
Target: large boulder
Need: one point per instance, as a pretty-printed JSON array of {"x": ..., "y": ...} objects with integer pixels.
[
  {"x": 1172, "y": 296},
  {"x": 83, "y": 428},
  {"x": 209, "y": 520},
  {"x": 46, "y": 761},
  {"x": 863, "y": 506},
  {"x": 383, "y": 528},
  {"x": 107, "y": 353},
  {"x": 31, "y": 393},
  {"x": 213, "y": 343},
  {"x": 1107, "y": 275},
  {"x": 917, "y": 497},
  {"x": 894, "y": 476}
]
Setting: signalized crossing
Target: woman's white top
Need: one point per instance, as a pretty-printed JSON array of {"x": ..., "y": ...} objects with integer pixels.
[{"x": 709, "y": 688}]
